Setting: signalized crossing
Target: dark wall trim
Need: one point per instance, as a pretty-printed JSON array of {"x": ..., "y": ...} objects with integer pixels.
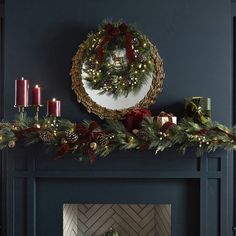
[
  {"x": 2, "y": 162},
  {"x": 1, "y": 58},
  {"x": 234, "y": 113},
  {"x": 31, "y": 184}
]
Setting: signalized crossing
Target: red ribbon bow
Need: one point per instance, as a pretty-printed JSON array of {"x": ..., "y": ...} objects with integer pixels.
[
  {"x": 62, "y": 151},
  {"x": 20, "y": 134},
  {"x": 111, "y": 33},
  {"x": 204, "y": 131},
  {"x": 88, "y": 135}
]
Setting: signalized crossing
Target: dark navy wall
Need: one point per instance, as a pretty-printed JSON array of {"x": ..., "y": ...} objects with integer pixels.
[{"x": 193, "y": 37}]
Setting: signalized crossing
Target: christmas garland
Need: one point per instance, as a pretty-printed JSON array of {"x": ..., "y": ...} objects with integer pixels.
[
  {"x": 88, "y": 140},
  {"x": 117, "y": 60}
]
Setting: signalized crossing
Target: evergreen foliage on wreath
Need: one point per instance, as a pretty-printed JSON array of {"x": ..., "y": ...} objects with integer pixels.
[{"x": 118, "y": 59}]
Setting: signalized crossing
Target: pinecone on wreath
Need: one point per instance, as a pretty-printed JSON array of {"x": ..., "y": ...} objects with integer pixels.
[
  {"x": 142, "y": 58},
  {"x": 92, "y": 65}
]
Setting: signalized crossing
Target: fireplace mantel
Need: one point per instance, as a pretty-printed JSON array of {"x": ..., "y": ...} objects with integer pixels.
[{"x": 197, "y": 188}]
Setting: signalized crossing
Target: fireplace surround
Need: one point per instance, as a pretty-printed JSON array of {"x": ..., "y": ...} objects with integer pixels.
[{"x": 198, "y": 189}]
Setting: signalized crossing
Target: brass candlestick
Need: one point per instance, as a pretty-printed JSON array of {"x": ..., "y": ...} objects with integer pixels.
[
  {"x": 21, "y": 110},
  {"x": 36, "y": 117}
]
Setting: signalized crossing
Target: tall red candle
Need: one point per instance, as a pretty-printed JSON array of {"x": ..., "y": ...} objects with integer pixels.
[
  {"x": 36, "y": 96},
  {"x": 54, "y": 107},
  {"x": 21, "y": 93}
]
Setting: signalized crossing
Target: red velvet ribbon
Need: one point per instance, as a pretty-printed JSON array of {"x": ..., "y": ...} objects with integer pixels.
[
  {"x": 111, "y": 33},
  {"x": 133, "y": 119},
  {"x": 88, "y": 135},
  {"x": 62, "y": 151},
  {"x": 204, "y": 131},
  {"x": 20, "y": 134},
  {"x": 166, "y": 126}
]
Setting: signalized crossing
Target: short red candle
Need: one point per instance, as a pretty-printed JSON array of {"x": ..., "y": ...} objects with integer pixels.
[
  {"x": 21, "y": 93},
  {"x": 36, "y": 96},
  {"x": 54, "y": 107}
]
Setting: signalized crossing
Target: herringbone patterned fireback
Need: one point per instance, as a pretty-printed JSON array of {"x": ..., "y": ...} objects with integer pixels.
[{"x": 128, "y": 220}]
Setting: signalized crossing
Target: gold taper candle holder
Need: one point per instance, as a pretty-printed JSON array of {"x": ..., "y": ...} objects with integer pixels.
[
  {"x": 21, "y": 110},
  {"x": 36, "y": 117}
]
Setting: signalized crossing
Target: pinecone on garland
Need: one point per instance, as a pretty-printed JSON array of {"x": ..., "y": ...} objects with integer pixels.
[
  {"x": 71, "y": 137},
  {"x": 45, "y": 136},
  {"x": 142, "y": 134},
  {"x": 103, "y": 140}
]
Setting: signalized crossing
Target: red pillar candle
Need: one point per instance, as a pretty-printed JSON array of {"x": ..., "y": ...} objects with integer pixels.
[
  {"x": 36, "y": 96},
  {"x": 21, "y": 93},
  {"x": 54, "y": 107}
]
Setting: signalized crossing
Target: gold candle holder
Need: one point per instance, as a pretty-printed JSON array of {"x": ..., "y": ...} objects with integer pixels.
[
  {"x": 21, "y": 110},
  {"x": 37, "y": 108}
]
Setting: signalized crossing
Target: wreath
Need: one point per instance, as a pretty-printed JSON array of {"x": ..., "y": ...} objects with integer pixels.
[{"x": 118, "y": 59}]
